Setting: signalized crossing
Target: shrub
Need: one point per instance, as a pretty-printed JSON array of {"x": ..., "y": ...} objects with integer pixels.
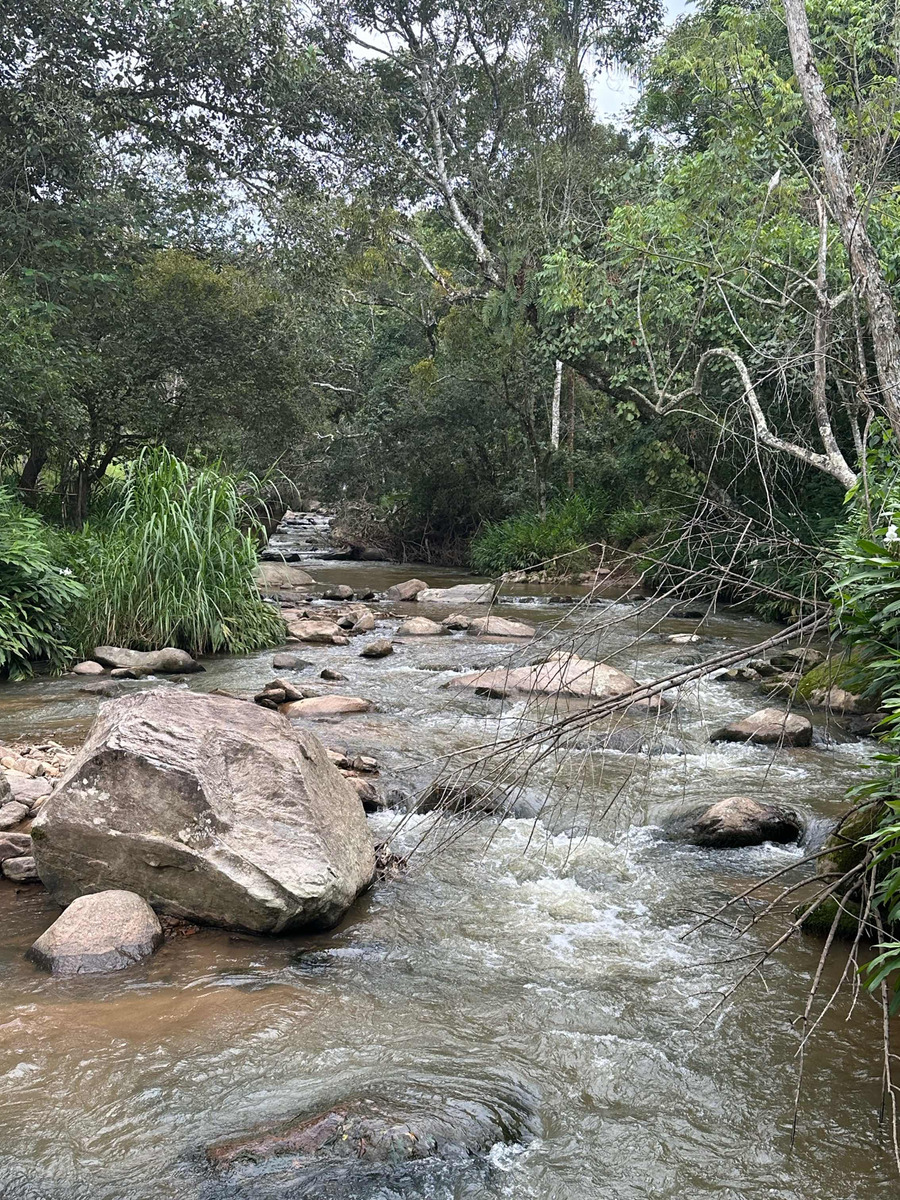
[
  {"x": 566, "y": 531},
  {"x": 174, "y": 563},
  {"x": 37, "y": 593}
]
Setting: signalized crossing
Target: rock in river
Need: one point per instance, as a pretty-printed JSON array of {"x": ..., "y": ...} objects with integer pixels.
[
  {"x": 277, "y": 575},
  {"x": 380, "y": 648},
  {"x": 12, "y": 814},
  {"x": 87, "y": 668},
  {"x": 14, "y": 845},
  {"x": 769, "y": 726},
  {"x": 106, "y": 931},
  {"x": 420, "y": 627},
  {"x": 325, "y": 706},
  {"x": 742, "y": 821},
  {"x": 322, "y": 632},
  {"x": 406, "y": 591},
  {"x": 211, "y": 809},
  {"x": 169, "y": 661},
  {"x": 463, "y": 593},
  {"x": 559, "y": 674},
  {"x": 290, "y": 662},
  {"x": 499, "y": 627},
  {"x": 21, "y": 870}
]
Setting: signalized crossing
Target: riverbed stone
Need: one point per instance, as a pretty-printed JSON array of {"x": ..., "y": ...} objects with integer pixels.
[
  {"x": 462, "y": 593},
  {"x": 213, "y": 810},
  {"x": 500, "y": 627},
  {"x": 409, "y": 590},
  {"x": 318, "y": 632},
  {"x": 338, "y": 591},
  {"x": 380, "y": 648},
  {"x": 290, "y": 662},
  {"x": 364, "y": 623},
  {"x": 88, "y": 667},
  {"x": 27, "y": 789},
  {"x": 742, "y": 821},
  {"x": 420, "y": 627},
  {"x": 12, "y": 814},
  {"x": 558, "y": 674},
  {"x": 21, "y": 870},
  {"x": 457, "y": 622},
  {"x": 799, "y": 658},
  {"x": 326, "y": 706},
  {"x": 14, "y": 845},
  {"x": 767, "y": 727},
  {"x": 168, "y": 661},
  {"x": 105, "y": 931},
  {"x": 277, "y": 575},
  {"x": 330, "y": 675}
]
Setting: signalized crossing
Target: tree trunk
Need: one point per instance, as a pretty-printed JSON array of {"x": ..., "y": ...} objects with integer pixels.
[
  {"x": 849, "y": 215},
  {"x": 570, "y": 432},
  {"x": 554, "y": 415},
  {"x": 34, "y": 464}
]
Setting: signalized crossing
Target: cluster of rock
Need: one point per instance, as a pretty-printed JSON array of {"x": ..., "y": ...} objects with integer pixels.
[
  {"x": 122, "y": 663},
  {"x": 26, "y": 781}
]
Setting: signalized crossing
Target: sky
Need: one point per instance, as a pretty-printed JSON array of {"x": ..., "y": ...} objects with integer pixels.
[{"x": 613, "y": 92}]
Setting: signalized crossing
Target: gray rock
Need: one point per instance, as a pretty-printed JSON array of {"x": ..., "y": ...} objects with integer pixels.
[
  {"x": 738, "y": 674},
  {"x": 742, "y": 821},
  {"x": 456, "y": 622},
  {"x": 499, "y": 627},
  {"x": 21, "y": 870},
  {"x": 277, "y": 575},
  {"x": 463, "y": 593},
  {"x": 87, "y": 668},
  {"x": 6, "y": 787},
  {"x": 331, "y": 675},
  {"x": 409, "y": 590},
  {"x": 763, "y": 667},
  {"x": 767, "y": 727},
  {"x": 14, "y": 845},
  {"x": 364, "y": 623},
  {"x": 27, "y": 789},
  {"x": 290, "y": 662},
  {"x": 420, "y": 627},
  {"x": 338, "y": 591},
  {"x": 799, "y": 658},
  {"x": 212, "y": 810},
  {"x": 168, "y": 661},
  {"x": 11, "y": 814},
  {"x": 106, "y": 931},
  {"x": 380, "y": 648}
]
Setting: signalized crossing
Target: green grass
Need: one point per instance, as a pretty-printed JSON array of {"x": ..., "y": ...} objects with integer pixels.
[
  {"x": 174, "y": 563},
  {"x": 531, "y": 540},
  {"x": 37, "y": 592}
]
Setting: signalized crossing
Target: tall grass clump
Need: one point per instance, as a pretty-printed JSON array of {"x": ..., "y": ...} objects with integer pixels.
[
  {"x": 565, "y": 531},
  {"x": 37, "y": 593},
  {"x": 174, "y": 563}
]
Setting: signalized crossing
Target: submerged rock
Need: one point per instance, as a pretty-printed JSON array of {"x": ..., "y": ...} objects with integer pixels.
[
  {"x": 290, "y": 662},
  {"x": 767, "y": 727},
  {"x": 409, "y": 590},
  {"x": 169, "y": 661},
  {"x": 742, "y": 821},
  {"x": 106, "y": 931},
  {"x": 212, "y": 810},
  {"x": 463, "y": 593},
  {"x": 420, "y": 627},
  {"x": 500, "y": 627}
]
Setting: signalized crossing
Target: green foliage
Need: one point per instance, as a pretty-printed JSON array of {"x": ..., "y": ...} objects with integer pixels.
[
  {"x": 36, "y": 592},
  {"x": 565, "y": 533},
  {"x": 174, "y": 564}
]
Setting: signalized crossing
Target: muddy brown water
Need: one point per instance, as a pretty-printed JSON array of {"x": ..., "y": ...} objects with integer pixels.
[{"x": 547, "y": 961}]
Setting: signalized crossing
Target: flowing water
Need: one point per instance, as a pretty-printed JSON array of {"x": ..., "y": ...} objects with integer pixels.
[{"x": 544, "y": 962}]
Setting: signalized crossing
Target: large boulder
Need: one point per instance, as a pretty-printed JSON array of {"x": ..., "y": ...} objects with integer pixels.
[
  {"x": 499, "y": 627},
  {"x": 409, "y": 590},
  {"x": 768, "y": 727},
  {"x": 463, "y": 593},
  {"x": 420, "y": 627},
  {"x": 559, "y": 674},
  {"x": 742, "y": 821},
  {"x": 212, "y": 810},
  {"x": 168, "y": 661},
  {"x": 277, "y": 575},
  {"x": 106, "y": 931}
]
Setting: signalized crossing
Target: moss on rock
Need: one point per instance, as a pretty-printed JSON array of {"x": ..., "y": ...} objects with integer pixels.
[{"x": 821, "y": 919}]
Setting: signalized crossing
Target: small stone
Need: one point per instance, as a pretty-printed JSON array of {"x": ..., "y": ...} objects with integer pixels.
[
  {"x": 378, "y": 649},
  {"x": 332, "y": 676},
  {"x": 683, "y": 639},
  {"x": 365, "y": 623},
  {"x": 87, "y": 667},
  {"x": 11, "y": 814},
  {"x": 126, "y": 673},
  {"x": 21, "y": 870},
  {"x": 105, "y": 931}
]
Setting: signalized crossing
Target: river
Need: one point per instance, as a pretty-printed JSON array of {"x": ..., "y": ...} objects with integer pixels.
[{"x": 544, "y": 962}]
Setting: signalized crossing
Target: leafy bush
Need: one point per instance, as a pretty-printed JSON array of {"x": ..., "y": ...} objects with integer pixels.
[
  {"x": 36, "y": 592},
  {"x": 565, "y": 531},
  {"x": 174, "y": 563}
]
